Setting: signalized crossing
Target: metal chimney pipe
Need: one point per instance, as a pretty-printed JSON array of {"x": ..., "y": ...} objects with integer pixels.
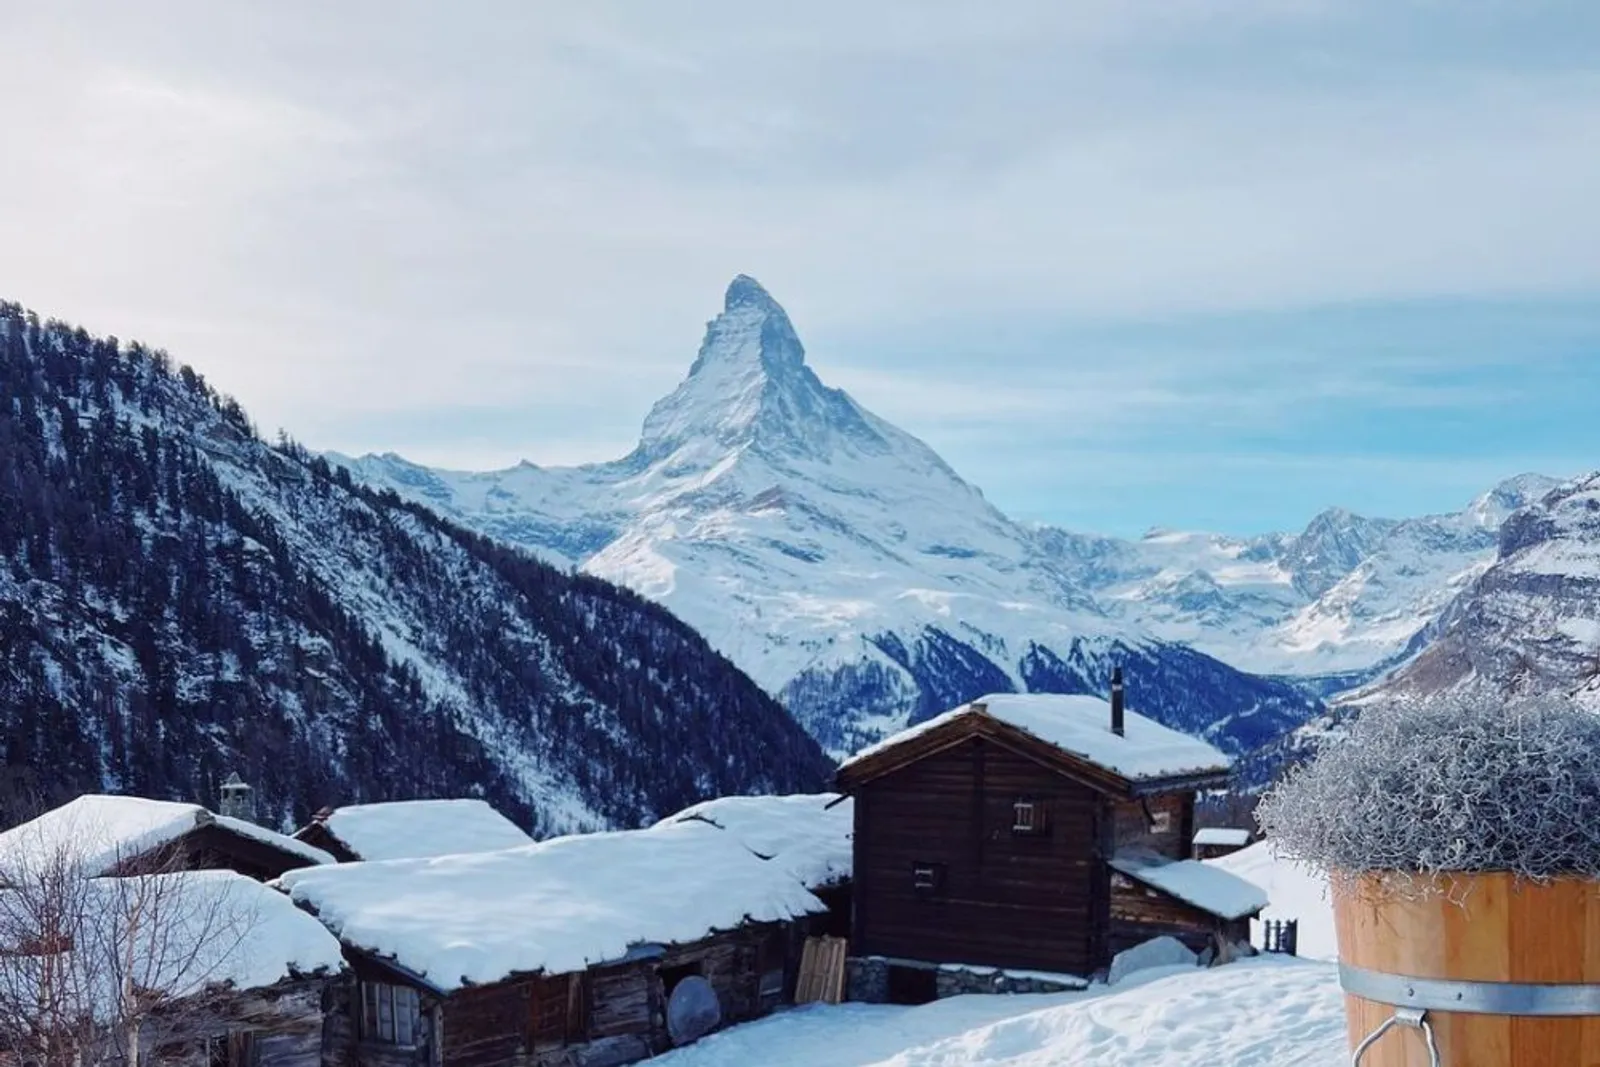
[{"x": 1118, "y": 727}]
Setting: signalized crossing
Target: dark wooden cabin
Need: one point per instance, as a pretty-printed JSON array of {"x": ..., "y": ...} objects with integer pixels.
[
  {"x": 108, "y": 835},
  {"x": 1026, "y": 832}
]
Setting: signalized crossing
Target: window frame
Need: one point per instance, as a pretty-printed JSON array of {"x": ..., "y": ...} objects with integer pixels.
[
  {"x": 390, "y": 1012},
  {"x": 235, "y": 1048},
  {"x": 927, "y": 878},
  {"x": 1029, "y": 816}
]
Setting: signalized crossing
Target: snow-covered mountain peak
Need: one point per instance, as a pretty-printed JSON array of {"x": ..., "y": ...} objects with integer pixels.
[
  {"x": 745, "y": 291},
  {"x": 750, "y": 388},
  {"x": 1493, "y": 508}
]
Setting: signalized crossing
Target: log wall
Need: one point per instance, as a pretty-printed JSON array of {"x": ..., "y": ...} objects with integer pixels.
[
  {"x": 603, "y": 1017},
  {"x": 1034, "y": 900},
  {"x": 1136, "y": 824},
  {"x": 285, "y": 1023}
]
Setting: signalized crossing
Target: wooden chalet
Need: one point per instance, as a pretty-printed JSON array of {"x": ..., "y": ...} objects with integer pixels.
[
  {"x": 586, "y": 951},
  {"x": 103, "y": 835},
  {"x": 410, "y": 829},
  {"x": 1035, "y": 832}
]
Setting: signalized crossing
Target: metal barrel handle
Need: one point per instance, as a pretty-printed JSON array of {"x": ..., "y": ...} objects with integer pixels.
[{"x": 1411, "y": 1018}]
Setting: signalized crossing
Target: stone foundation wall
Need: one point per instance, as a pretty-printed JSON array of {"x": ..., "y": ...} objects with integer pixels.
[{"x": 867, "y": 979}]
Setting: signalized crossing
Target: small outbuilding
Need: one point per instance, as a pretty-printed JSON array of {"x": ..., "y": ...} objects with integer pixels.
[
  {"x": 1033, "y": 833},
  {"x": 1213, "y": 841},
  {"x": 411, "y": 829},
  {"x": 104, "y": 835},
  {"x": 595, "y": 949}
]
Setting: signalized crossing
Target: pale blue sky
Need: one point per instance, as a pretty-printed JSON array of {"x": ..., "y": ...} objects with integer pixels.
[{"x": 1124, "y": 262}]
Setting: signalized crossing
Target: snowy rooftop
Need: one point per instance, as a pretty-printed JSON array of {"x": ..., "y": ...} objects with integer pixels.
[
  {"x": 801, "y": 832},
  {"x": 180, "y": 933},
  {"x": 1209, "y": 888},
  {"x": 96, "y": 832},
  {"x": 1081, "y": 726},
  {"x": 420, "y": 829},
  {"x": 1218, "y": 835},
  {"x": 558, "y": 906}
]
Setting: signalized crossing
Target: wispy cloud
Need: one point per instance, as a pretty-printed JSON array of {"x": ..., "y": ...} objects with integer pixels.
[{"x": 355, "y": 215}]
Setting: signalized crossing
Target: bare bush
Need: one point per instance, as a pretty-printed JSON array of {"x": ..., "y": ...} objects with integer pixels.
[
  {"x": 101, "y": 970},
  {"x": 1443, "y": 787}
]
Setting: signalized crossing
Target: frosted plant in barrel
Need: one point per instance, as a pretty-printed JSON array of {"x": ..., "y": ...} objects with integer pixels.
[{"x": 1463, "y": 844}]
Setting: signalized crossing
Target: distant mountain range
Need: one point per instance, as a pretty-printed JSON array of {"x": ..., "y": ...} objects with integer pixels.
[
  {"x": 854, "y": 574},
  {"x": 1343, "y": 598},
  {"x": 179, "y": 600}
]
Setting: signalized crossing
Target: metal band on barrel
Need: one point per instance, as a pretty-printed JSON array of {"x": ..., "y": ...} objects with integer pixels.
[{"x": 1473, "y": 998}]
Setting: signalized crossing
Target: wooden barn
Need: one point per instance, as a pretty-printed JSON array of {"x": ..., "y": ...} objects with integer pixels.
[
  {"x": 101, "y": 835},
  {"x": 410, "y": 829},
  {"x": 1036, "y": 832},
  {"x": 208, "y": 968},
  {"x": 584, "y": 951}
]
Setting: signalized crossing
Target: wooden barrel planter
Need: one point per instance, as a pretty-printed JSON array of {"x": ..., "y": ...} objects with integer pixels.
[{"x": 1498, "y": 972}]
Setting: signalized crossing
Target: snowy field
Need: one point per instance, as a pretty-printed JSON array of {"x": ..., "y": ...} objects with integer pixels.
[{"x": 1261, "y": 1013}]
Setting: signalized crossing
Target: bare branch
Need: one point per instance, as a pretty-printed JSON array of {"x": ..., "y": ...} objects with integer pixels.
[{"x": 98, "y": 970}]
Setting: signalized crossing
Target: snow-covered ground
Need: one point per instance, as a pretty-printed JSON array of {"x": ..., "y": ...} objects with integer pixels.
[
  {"x": 1293, "y": 892},
  {"x": 1261, "y": 1013},
  {"x": 1266, "y": 1012}
]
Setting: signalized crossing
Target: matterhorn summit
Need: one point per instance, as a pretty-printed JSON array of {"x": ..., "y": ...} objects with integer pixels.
[
  {"x": 833, "y": 556},
  {"x": 749, "y": 387}
]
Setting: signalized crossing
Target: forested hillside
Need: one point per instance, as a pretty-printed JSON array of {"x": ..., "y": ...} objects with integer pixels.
[{"x": 179, "y": 600}]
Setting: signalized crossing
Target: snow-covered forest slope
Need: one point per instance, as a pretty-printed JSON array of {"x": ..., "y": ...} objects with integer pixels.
[{"x": 179, "y": 600}]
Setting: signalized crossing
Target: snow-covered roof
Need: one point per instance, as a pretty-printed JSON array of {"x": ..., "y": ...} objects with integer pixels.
[
  {"x": 802, "y": 832},
  {"x": 96, "y": 832},
  {"x": 558, "y": 906},
  {"x": 1209, "y": 888},
  {"x": 180, "y": 933},
  {"x": 1081, "y": 726},
  {"x": 420, "y": 829},
  {"x": 1219, "y": 835}
]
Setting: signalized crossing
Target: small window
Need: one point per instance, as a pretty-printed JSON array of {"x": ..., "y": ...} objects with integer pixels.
[
  {"x": 1027, "y": 816},
  {"x": 927, "y": 878},
  {"x": 389, "y": 1014},
  {"x": 1161, "y": 822}
]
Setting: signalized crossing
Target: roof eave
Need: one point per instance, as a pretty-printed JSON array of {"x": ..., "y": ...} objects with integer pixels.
[{"x": 1181, "y": 783}]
